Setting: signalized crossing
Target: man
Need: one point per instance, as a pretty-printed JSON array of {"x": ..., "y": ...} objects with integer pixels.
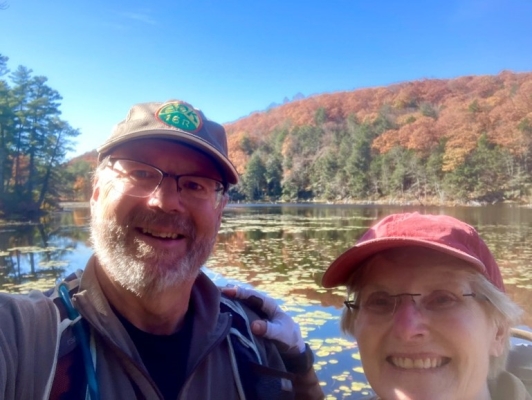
[{"x": 154, "y": 326}]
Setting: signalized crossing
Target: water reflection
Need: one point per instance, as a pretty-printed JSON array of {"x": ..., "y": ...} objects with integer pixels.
[
  {"x": 35, "y": 256},
  {"x": 283, "y": 251}
]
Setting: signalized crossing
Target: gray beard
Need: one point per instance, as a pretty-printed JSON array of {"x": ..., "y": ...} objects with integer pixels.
[{"x": 137, "y": 266}]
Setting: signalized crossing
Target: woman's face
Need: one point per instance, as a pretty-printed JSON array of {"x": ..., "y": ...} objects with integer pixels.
[{"x": 433, "y": 346}]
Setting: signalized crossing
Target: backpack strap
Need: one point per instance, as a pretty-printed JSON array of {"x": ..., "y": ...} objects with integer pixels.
[
  {"x": 75, "y": 375},
  {"x": 241, "y": 326},
  {"x": 254, "y": 379}
]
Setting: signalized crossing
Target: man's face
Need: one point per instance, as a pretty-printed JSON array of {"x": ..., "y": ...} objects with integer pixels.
[{"x": 149, "y": 244}]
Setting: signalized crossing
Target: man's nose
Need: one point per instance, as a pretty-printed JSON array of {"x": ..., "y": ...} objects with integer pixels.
[{"x": 167, "y": 196}]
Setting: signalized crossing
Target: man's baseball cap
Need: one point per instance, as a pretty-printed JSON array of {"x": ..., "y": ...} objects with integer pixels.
[
  {"x": 439, "y": 232},
  {"x": 174, "y": 120}
]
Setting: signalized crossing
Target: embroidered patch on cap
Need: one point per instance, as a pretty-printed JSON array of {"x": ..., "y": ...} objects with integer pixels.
[{"x": 180, "y": 115}]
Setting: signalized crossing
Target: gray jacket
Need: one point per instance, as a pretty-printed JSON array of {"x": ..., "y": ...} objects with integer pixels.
[{"x": 30, "y": 334}]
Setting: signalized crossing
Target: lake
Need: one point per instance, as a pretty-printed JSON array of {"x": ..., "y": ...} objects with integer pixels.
[{"x": 283, "y": 251}]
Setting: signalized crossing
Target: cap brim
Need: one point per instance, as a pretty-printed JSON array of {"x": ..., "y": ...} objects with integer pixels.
[
  {"x": 229, "y": 170},
  {"x": 342, "y": 268}
]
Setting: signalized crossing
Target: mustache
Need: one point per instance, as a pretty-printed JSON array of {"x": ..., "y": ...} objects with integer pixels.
[{"x": 143, "y": 217}]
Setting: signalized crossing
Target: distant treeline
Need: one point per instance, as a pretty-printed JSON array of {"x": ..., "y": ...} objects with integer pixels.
[
  {"x": 33, "y": 145},
  {"x": 434, "y": 141},
  {"x": 461, "y": 140}
]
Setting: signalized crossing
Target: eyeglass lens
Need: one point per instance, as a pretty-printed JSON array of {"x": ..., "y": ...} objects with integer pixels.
[{"x": 138, "y": 179}]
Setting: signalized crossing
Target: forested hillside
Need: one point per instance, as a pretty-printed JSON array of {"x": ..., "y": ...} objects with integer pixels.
[{"x": 429, "y": 141}]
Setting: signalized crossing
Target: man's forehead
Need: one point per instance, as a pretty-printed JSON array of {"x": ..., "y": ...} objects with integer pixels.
[
  {"x": 157, "y": 145},
  {"x": 170, "y": 152}
]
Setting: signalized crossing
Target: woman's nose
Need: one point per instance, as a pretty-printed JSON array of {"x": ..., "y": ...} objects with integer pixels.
[{"x": 409, "y": 320}]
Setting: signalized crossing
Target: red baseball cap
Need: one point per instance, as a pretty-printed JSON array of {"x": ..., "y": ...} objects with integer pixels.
[{"x": 439, "y": 232}]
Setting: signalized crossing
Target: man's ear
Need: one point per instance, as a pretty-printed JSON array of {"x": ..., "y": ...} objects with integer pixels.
[
  {"x": 95, "y": 192},
  {"x": 221, "y": 206}
]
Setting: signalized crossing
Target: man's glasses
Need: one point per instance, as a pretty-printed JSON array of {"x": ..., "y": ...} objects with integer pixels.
[
  {"x": 138, "y": 179},
  {"x": 385, "y": 304}
]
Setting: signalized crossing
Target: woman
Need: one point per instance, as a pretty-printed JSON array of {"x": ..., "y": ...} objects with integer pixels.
[{"x": 427, "y": 306}]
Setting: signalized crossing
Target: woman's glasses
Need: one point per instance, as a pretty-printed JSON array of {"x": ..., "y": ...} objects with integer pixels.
[{"x": 385, "y": 304}]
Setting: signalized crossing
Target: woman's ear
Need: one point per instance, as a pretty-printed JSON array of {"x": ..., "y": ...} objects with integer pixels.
[{"x": 498, "y": 342}]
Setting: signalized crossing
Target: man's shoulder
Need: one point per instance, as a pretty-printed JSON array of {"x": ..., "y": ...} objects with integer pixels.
[
  {"x": 26, "y": 316},
  {"x": 33, "y": 310},
  {"x": 21, "y": 303}
]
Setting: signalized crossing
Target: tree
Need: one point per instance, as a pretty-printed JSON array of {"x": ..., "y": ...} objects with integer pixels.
[
  {"x": 33, "y": 143},
  {"x": 6, "y": 127},
  {"x": 482, "y": 176},
  {"x": 75, "y": 181},
  {"x": 274, "y": 175},
  {"x": 323, "y": 176},
  {"x": 254, "y": 183},
  {"x": 321, "y": 116}
]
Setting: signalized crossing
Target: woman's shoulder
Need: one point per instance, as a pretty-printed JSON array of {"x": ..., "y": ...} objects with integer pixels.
[{"x": 508, "y": 386}]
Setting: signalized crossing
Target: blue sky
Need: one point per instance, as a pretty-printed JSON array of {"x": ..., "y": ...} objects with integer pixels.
[{"x": 231, "y": 57}]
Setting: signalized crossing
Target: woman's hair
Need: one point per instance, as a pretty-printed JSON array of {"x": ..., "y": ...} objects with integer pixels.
[{"x": 499, "y": 307}]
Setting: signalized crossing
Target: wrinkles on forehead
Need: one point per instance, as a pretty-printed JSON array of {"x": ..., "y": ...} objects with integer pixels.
[{"x": 427, "y": 259}]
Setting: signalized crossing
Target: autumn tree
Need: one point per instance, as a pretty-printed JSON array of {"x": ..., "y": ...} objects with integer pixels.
[{"x": 464, "y": 139}]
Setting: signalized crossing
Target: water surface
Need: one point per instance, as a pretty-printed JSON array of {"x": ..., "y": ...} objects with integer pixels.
[{"x": 283, "y": 251}]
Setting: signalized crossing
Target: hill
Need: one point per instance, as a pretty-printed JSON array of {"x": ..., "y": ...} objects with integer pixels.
[
  {"x": 326, "y": 142},
  {"x": 432, "y": 141}
]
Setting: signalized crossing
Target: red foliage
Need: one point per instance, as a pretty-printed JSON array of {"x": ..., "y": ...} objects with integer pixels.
[{"x": 467, "y": 107}]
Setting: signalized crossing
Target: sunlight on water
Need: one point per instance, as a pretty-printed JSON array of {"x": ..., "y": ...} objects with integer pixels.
[{"x": 283, "y": 252}]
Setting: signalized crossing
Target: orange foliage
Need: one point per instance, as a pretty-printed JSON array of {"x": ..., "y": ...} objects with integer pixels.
[
  {"x": 420, "y": 135},
  {"x": 467, "y": 107}
]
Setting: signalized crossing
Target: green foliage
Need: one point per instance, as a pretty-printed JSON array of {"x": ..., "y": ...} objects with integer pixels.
[
  {"x": 525, "y": 126},
  {"x": 246, "y": 145},
  {"x": 324, "y": 180},
  {"x": 254, "y": 183},
  {"x": 320, "y": 116},
  {"x": 33, "y": 143},
  {"x": 410, "y": 119},
  {"x": 385, "y": 120},
  {"x": 474, "y": 107},
  {"x": 274, "y": 174},
  {"x": 428, "y": 110},
  {"x": 483, "y": 176},
  {"x": 75, "y": 181}
]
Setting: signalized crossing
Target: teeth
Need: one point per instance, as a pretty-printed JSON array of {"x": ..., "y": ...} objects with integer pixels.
[
  {"x": 417, "y": 363},
  {"x": 163, "y": 235}
]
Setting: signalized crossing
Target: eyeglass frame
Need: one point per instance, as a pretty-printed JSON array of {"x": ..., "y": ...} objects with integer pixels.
[
  {"x": 110, "y": 162},
  {"x": 352, "y": 305}
]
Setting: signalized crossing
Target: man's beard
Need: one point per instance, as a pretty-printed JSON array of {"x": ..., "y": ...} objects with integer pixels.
[{"x": 137, "y": 266}]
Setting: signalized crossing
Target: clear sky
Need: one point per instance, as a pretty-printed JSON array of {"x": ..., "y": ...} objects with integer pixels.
[{"x": 231, "y": 57}]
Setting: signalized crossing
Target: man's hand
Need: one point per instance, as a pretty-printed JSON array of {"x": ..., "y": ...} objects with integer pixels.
[{"x": 279, "y": 326}]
